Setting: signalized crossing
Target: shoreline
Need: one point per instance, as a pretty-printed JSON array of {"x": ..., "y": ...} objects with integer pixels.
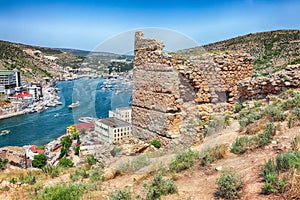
[{"x": 14, "y": 114}]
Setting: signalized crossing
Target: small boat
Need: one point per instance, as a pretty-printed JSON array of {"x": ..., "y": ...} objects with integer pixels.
[
  {"x": 86, "y": 119},
  {"x": 74, "y": 105},
  {"x": 56, "y": 115},
  {"x": 4, "y": 132}
]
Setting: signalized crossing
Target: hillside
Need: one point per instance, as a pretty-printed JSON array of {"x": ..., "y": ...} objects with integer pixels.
[
  {"x": 272, "y": 51},
  {"x": 34, "y": 62}
]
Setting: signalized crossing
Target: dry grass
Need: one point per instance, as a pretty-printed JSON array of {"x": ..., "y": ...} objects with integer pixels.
[{"x": 296, "y": 143}]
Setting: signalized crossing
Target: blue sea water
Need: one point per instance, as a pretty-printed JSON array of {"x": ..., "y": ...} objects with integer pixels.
[{"x": 41, "y": 128}]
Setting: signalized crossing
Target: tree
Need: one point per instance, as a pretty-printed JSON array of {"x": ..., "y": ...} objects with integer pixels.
[
  {"x": 39, "y": 160},
  {"x": 65, "y": 162},
  {"x": 63, "y": 151},
  {"x": 3, "y": 163},
  {"x": 77, "y": 150},
  {"x": 66, "y": 142}
]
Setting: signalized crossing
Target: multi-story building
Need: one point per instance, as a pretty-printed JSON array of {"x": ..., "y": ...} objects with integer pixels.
[
  {"x": 121, "y": 113},
  {"x": 9, "y": 80},
  {"x": 112, "y": 129}
]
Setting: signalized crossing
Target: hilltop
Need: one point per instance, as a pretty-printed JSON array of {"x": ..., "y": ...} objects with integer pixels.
[
  {"x": 272, "y": 50},
  {"x": 35, "y": 62}
]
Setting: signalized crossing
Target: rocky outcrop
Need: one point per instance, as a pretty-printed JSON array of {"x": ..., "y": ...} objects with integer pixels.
[
  {"x": 172, "y": 94},
  {"x": 16, "y": 156},
  {"x": 260, "y": 87}
]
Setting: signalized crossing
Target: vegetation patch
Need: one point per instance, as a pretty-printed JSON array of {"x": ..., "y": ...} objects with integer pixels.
[
  {"x": 120, "y": 194},
  {"x": 133, "y": 165},
  {"x": 156, "y": 143},
  {"x": 212, "y": 154},
  {"x": 230, "y": 185},
  {"x": 274, "y": 173},
  {"x": 183, "y": 160},
  {"x": 160, "y": 186}
]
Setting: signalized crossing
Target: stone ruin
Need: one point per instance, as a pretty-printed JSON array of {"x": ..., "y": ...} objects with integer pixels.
[{"x": 172, "y": 95}]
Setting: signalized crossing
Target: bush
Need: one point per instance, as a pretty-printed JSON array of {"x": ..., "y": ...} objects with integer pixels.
[
  {"x": 275, "y": 113},
  {"x": 79, "y": 174},
  {"x": 64, "y": 192},
  {"x": 65, "y": 162},
  {"x": 296, "y": 143},
  {"x": 183, "y": 161},
  {"x": 39, "y": 160},
  {"x": 212, "y": 154},
  {"x": 160, "y": 186},
  {"x": 156, "y": 143},
  {"x": 3, "y": 163},
  {"x": 50, "y": 170},
  {"x": 288, "y": 160},
  {"x": 241, "y": 145},
  {"x": 230, "y": 185},
  {"x": 28, "y": 178},
  {"x": 238, "y": 107},
  {"x": 77, "y": 149},
  {"x": 121, "y": 194},
  {"x": 90, "y": 159}
]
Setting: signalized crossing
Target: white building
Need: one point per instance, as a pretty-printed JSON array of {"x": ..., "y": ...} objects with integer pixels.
[
  {"x": 121, "y": 113},
  {"x": 112, "y": 129},
  {"x": 9, "y": 80}
]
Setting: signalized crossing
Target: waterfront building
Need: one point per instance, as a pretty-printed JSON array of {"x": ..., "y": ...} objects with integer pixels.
[
  {"x": 121, "y": 113},
  {"x": 112, "y": 129},
  {"x": 9, "y": 80}
]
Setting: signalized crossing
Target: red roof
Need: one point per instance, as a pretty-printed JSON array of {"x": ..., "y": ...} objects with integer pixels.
[
  {"x": 35, "y": 149},
  {"x": 23, "y": 94},
  {"x": 85, "y": 126}
]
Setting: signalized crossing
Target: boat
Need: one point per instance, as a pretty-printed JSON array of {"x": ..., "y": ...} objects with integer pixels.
[
  {"x": 86, "y": 119},
  {"x": 56, "y": 115},
  {"x": 74, "y": 105},
  {"x": 4, "y": 132}
]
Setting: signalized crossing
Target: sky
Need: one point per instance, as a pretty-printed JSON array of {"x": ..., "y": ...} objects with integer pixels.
[{"x": 84, "y": 24}]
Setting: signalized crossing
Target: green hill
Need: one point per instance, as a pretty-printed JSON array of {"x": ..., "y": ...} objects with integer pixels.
[{"x": 272, "y": 50}]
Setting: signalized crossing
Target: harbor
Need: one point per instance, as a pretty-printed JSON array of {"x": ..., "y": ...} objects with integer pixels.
[{"x": 42, "y": 127}]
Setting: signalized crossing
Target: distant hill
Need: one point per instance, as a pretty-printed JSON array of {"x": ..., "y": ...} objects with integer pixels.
[
  {"x": 35, "y": 62},
  {"x": 272, "y": 50}
]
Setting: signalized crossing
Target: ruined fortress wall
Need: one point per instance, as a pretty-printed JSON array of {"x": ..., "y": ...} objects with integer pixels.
[
  {"x": 260, "y": 87},
  {"x": 15, "y": 155},
  {"x": 170, "y": 92}
]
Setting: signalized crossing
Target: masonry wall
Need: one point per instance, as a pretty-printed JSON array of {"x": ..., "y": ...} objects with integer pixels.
[
  {"x": 260, "y": 87},
  {"x": 172, "y": 94}
]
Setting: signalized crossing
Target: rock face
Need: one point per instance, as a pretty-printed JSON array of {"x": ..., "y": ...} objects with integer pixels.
[
  {"x": 172, "y": 95},
  {"x": 260, "y": 87},
  {"x": 16, "y": 156}
]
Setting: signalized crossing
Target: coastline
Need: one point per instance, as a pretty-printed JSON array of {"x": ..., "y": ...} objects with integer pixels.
[{"x": 9, "y": 115}]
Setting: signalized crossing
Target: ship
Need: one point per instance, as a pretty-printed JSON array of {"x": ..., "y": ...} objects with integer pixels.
[{"x": 4, "y": 132}]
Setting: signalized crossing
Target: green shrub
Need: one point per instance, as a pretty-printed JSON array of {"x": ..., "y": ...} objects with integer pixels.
[
  {"x": 90, "y": 159},
  {"x": 212, "y": 154},
  {"x": 3, "y": 163},
  {"x": 275, "y": 113},
  {"x": 160, "y": 186},
  {"x": 77, "y": 149},
  {"x": 238, "y": 107},
  {"x": 64, "y": 191},
  {"x": 28, "y": 178},
  {"x": 39, "y": 160},
  {"x": 95, "y": 174},
  {"x": 240, "y": 145},
  {"x": 264, "y": 139},
  {"x": 226, "y": 120},
  {"x": 50, "y": 170},
  {"x": 288, "y": 160},
  {"x": 156, "y": 143},
  {"x": 183, "y": 161},
  {"x": 65, "y": 162},
  {"x": 257, "y": 104},
  {"x": 296, "y": 112},
  {"x": 121, "y": 194},
  {"x": 79, "y": 174},
  {"x": 268, "y": 188},
  {"x": 230, "y": 185}
]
